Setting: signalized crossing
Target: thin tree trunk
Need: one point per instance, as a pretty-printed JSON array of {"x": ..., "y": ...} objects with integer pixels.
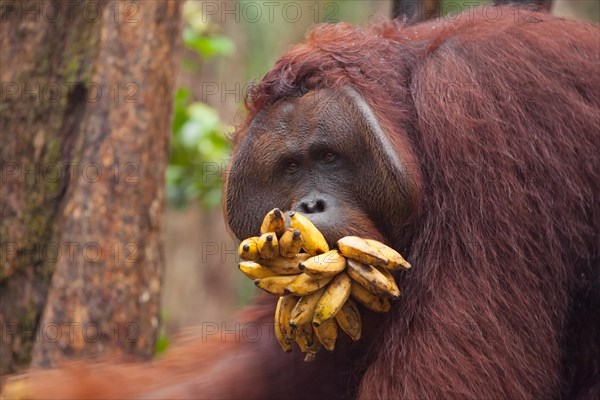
[{"x": 85, "y": 124}]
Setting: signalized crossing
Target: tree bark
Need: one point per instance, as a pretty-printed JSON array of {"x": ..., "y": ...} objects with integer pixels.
[{"x": 85, "y": 123}]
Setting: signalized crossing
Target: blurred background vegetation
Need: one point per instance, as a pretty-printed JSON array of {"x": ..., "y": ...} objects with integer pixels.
[{"x": 228, "y": 45}]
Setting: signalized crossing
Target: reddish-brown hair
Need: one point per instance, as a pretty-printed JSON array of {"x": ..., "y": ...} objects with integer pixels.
[
  {"x": 504, "y": 118},
  {"x": 503, "y": 300}
]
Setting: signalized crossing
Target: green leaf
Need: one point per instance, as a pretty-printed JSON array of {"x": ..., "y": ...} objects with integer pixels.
[
  {"x": 198, "y": 133},
  {"x": 162, "y": 343},
  {"x": 208, "y": 46}
]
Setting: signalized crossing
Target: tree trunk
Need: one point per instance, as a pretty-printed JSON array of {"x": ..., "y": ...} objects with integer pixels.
[{"x": 85, "y": 123}]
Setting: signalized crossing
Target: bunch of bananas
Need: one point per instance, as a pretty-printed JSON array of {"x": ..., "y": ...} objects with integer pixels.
[{"x": 317, "y": 287}]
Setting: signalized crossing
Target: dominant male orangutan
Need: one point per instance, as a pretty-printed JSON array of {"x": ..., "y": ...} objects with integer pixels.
[{"x": 471, "y": 146}]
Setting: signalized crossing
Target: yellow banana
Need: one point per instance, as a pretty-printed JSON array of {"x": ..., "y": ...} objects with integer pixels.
[
  {"x": 348, "y": 318},
  {"x": 334, "y": 297},
  {"x": 396, "y": 260},
  {"x": 307, "y": 341},
  {"x": 388, "y": 275},
  {"x": 305, "y": 337},
  {"x": 285, "y": 344},
  {"x": 254, "y": 270},
  {"x": 248, "y": 249},
  {"x": 305, "y": 308},
  {"x": 327, "y": 333},
  {"x": 268, "y": 247},
  {"x": 290, "y": 243},
  {"x": 318, "y": 289},
  {"x": 306, "y": 284},
  {"x": 358, "y": 249},
  {"x": 287, "y": 305},
  {"x": 274, "y": 221},
  {"x": 326, "y": 264},
  {"x": 372, "y": 279},
  {"x": 311, "y": 352},
  {"x": 275, "y": 284},
  {"x": 373, "y": 302},
  {"x": 313, "y": 240},
  {"x": 284, "y": 266}
]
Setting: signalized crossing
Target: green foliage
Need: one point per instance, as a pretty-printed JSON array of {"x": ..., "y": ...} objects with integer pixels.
[
  {"x": 199, "y": 147},
  {"x": 207, "y": 46},
  {"x": 199, "y": 150},
  {"x": 162, "y": 343}
]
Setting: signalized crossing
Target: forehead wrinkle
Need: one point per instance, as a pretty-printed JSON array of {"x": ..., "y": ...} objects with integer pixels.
[
  {"x": 287, "y": 118},
  {"x": 279, "y": 116},
  {"x": 280, "y": 134},
  {"x": 297, "y": 126},
  {"x": 336, "y": 127},
  {"x": 313, "y": 106}
]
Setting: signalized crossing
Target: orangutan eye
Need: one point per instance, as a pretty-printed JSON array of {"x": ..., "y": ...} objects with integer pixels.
[
  {"x": 292, "y": 166},
  {"x": 328, "y": 156}
]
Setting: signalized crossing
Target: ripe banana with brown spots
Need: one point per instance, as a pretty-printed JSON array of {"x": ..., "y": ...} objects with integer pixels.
[
  {"x": 284, "y": 266},
  {"x": 327, "y": 264},
  {"x": 313, "y": 240},
  {"x": 392, "y": 282},
  {"x": 372, "y": 279},
  {"x": 290, "y": 243},
  {"x": 284, "y": 342},
  {"x": 359, "y": 249},
  {"x": 305, "y": 308},
  {"x": 373, "y": 302},
  {"x": 275, "y": 285},
  {"x": 254, "y": 270},
  {"x": 305, "y": 284},
  {"x": 334, "y": 297},
  {"x": 268, "y": 247},
  {"x": 248, "y": 249},
  {"x": 396, "y": 261},
  {"x": 287, "y": 306},
  {"x": 327, "y": 333},
  {"x": 348, "y": 318},
  {"x": 306, "y": 339},
  {"x": 319, "y": 288},
  {"x": 274, "y": 221}
]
